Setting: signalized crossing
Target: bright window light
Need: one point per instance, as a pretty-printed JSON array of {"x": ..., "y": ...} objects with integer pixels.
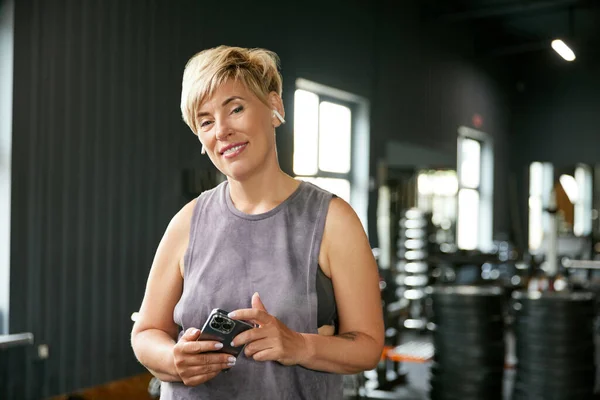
[
  {"x": 541, "y": 182},
  {"x": 563, "y": 50},
  {"x": 535, "y": 222},
  {"x": 583, "y": 208},
  {"x": 334, "y": 137},
  {"x": 470, "y": 163},
  {"x": 468, "y": 219},
  {"x": 570, "y": 186},
  {"x": 425, "y": 183},
  {"x": 339, "y": 187},
  {"x": 446, "y": 183},
  {"x": 306, "y": 132}
]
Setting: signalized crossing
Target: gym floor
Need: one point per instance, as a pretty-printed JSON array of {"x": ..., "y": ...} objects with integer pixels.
[{"x": 417, "y": 376}]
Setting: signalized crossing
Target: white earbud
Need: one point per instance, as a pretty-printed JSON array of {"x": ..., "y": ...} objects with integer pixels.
[
  {"x": 203, "y": 151},
  {"x": 279, "y": 117}
]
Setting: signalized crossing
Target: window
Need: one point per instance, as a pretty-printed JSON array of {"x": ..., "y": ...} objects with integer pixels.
[
  {"x": 584, "y": 200},
  {"x": 475, "y": 193},
  {"x": 541, "y": 180},
  {"x": 436, "y": 194},
  {"x": 331, "y": 142},
  {"x": 322, "y": 142},
  {"x": 7, "y": 10}
]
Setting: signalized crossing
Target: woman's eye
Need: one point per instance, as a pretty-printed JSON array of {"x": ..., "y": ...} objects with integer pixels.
[
  {"x": 237, "y": 109},
  {"x": 204, "y": 124}
]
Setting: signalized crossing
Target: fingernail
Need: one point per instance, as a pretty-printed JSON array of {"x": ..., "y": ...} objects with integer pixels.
[
  {"x": 219, "y": 346},
  {"x": 231, "y": 360},
  {"x": 256, "y": 293},
  {"x": 195, "y": 332},
  {"x": 232, "y": 344},
  {"x": 231, "y": 315}
]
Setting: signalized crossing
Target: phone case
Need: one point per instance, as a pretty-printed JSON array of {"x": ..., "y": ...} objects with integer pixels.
[{"x": 220, "y": 327}]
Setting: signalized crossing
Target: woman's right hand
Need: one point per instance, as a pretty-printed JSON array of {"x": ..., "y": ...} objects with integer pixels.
[{"x": 195, "y": 360}]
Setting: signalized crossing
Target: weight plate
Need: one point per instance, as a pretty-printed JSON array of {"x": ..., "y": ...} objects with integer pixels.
[
  {"x": 484, "y": 328},
  {"x": 492, "y": 349},
  {"x": 556, "y": 315},
  {"x": 469, "y": 380},
  {"x": 467, "y": 290},
  {"x": 533, "y": 351},
  {"x": 565, "y": 349},
  {"x": 572, "y": 373},
  {"x": 433, "y": 395},
  {"x": 463, "y": 390},
  {"x": 493, "y": 305},
  {"x": 558, "y": 384},
  {"x": 567, "y": 311},
  {"x": 438, "y": 368},
  {"x": 549, "y": 329},
  {"x": 553, "y": 393},
  {"x": 469, "y": 365},
  {"x": 520, "y": 394},
  {"x": 468, "y": 312},
  {"x": 557, "y": 297},
  {"x": 469, "y": 338},
  {"x": 413, "y": 267},
  {"x": 550, "y": 364},
  {"x": 551, "y": 339}
]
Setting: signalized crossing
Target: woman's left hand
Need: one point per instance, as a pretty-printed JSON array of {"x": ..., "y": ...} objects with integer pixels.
[{"x": 272, "y": 340}]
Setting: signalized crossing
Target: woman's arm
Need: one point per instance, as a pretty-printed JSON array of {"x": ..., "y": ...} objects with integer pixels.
[
  {"x": 347, "y": 257},
  {"x": 154, "y": 333}
]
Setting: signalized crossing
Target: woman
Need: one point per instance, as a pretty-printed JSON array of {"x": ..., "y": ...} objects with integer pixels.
[{"x": 285, "y": 255}]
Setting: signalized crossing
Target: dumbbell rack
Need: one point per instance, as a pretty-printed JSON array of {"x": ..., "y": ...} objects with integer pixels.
[{"x": 413, "y": 270}]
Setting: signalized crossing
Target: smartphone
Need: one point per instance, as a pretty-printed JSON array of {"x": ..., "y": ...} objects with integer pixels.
[{"x": 221, "y": 328}]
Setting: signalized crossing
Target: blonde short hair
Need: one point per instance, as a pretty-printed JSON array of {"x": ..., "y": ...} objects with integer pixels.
[{"x": 257, "y": 69}]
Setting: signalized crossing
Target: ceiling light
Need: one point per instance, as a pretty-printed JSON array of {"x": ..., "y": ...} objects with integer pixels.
[{"x": 563, "y": 50}]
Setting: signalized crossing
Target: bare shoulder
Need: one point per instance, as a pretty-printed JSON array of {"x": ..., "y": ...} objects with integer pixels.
[
  {"x": 177, "y": 235},
  {"x": 342, "y": 219},
  {"x": 344, "y": 233},
  {"x": 181, "y": 222}
]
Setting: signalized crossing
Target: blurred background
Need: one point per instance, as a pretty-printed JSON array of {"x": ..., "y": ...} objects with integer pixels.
[{"x": 463, "y": 132}]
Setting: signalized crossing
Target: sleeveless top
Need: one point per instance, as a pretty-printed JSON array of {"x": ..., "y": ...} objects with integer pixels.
[{"x": 230, "y": 256}]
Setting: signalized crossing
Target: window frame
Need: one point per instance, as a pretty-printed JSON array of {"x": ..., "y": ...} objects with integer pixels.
[
  {"x": 485, "y": 188},
  {"x": 358, "y": 176},
  {"x": 327, "y": 174}
]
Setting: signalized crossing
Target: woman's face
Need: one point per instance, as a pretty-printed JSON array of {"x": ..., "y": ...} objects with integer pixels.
[{"x": 237, "y": 130}]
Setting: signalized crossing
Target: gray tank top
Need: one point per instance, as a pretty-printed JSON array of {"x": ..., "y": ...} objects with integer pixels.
[{"x": 230, "y": 256}]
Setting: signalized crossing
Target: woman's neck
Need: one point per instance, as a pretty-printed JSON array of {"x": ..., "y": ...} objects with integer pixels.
[{"x": 262, "y": 192}]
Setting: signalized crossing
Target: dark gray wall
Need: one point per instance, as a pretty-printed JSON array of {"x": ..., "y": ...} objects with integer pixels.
[
  {"x": 555, "y": 116},
  {"x": 97, "y": 152},
  {"x": 427, "y": 85},
  {"x": 99, "y": 145}
]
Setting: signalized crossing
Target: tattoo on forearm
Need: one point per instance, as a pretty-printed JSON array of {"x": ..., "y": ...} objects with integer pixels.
[{"x": 349, "y": 335}]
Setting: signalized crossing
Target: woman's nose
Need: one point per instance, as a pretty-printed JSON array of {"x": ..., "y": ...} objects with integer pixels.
[{"x": 222, "y": 129}]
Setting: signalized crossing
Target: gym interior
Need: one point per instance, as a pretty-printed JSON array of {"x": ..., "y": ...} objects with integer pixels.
[{"x": 465, "y": 140}]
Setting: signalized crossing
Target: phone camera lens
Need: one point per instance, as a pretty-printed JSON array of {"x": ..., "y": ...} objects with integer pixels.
[{"x": 219, "y": 319}]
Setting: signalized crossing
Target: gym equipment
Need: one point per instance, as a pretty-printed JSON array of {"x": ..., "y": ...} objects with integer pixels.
[
  {"x": 469, "y": 343},
  {"x": 415, "y": 227},
  {"x": 554, "y": 345}
]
